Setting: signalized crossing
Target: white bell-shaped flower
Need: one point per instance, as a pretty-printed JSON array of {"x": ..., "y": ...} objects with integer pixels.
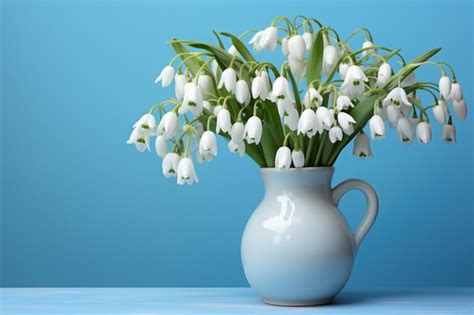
[
  {"x": 423, "y": 132},
  {"x": 140, "y": 140},
  {"x": 228, "y": 80},
  {"x": 393, "y": 114},
  {"x": 456, "y": 92},
  {"x": 146, "y": 124},
  {"x": 445, "y": 86},
  {"x": 440, "y": 112},
  {"x": 223, "y": 122},
  {"x": 448, "y": 134},
  {"x": 308, "y": 40},
  {"x": 325, "y": 117},
  {"x": 377, "y": 127},
  {"x": 346, "y": 122},
  {"x": 343, "y": 67},
  {"x": 166, "y": 76},
  {"x": 259, "y": 88},
  {"x": 206, "y": 85},
  {"x": 308, "y": 124},
  {"x": 256, "y": 41},
  {"x": 397, "y": 96},
  {"x": 297, "y": 157},
  {"x": 297, "y": 67},
  {"x": 180, "y": 81},
  {"x": 170, "y": 164},
  {"x": 242, "y": 92},
  {"x": 284, "y": 106},
  {"x": 237, "y": 132},
  {"x": 169, "y": 125},
  {"x": 330, "y": 56},
  {"x": 269, "y": 38},
  {"x": 192, "y": 100},
  {"x": 161, "y": 146},
  {"x": 460, "y": 108},
  {"x": 335, "y": 134},
  {"x": 208, "y": 146},
  {"x": 343, "y": 102},
  {"x": 354, "y": 82},
  {"x": 405, "y": 130},
  {"x": 362, "y": 146},
  {"x": 283, "y": 158},
  {"x": 281, "y": 89},
  {"x": 284, "y": 46},
  {"x": 253, "y": 130},
  {"x": 217, "y": 109},
  {"x": 291, "y": 119},
  {"x": 186, "y": 172},
  {"x": 383, "y": 75},
  {"x": 367, "y": 44},
  {"x": 296, "y": 47},
  {"x": 237, "y": 148},
  {"x": 207, "y": 105},
  {"x": 312, "y": 98}
]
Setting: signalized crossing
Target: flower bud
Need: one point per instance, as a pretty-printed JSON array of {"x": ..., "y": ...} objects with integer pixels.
[{"x": 283, "y": 158}]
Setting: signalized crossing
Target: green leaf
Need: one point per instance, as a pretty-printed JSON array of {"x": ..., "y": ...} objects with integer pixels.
[
  {"x": 268, "y": 145},
  {"x": 219, "y": 42},
  {"x": 192, "y": 64},
  {"x": 244, "y": 52},
  {"x": 294, "y": 85},
  {"x": 272, "y": 117},
  {"x": 315, "y": 59}
]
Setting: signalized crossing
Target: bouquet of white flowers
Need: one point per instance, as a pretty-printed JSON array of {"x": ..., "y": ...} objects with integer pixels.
[{"x": 301, "y": 114}]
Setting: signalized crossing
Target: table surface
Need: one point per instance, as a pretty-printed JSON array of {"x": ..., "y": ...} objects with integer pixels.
[{"x": 148, "y": 301}]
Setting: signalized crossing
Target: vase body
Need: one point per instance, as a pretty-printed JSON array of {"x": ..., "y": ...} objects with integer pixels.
[{"x": 297, "y": 248}]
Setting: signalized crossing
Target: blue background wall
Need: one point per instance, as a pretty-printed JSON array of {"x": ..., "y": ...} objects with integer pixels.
[{"x": 81, "y": 208}]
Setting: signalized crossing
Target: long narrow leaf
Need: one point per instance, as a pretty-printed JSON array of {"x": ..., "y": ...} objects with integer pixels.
[
  {"x": 244, "y": 52},
  {"x": 315, "y": 59}
]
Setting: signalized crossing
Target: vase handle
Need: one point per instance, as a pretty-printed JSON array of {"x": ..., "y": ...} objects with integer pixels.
[{"x": 372, "y": 205}]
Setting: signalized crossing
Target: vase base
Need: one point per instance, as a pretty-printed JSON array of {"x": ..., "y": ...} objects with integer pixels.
[{"x": 297, "y": 304}]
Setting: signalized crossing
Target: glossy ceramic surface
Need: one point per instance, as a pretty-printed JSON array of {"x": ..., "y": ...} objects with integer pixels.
[{"x": 297, "y": 248}]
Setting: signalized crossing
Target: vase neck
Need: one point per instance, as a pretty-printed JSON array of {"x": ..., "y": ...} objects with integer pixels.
[{"x": 317, "y": 179}]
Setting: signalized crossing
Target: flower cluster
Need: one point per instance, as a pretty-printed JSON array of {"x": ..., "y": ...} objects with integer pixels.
[{"x": 301, "y": 114}]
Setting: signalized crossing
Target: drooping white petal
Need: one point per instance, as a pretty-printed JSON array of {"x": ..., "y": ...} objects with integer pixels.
[
  {"x": 237, "y": 148},
  {"x": 238, "y": 132},
  {"x": 298, "y": 158},
  {"x": 439, "y": 114},
  {"x": 308, "y": 123},
  {"x": 180, "y": 81},
  {"x": 393, "y": 114},
  {"x": 456, "y": 92},
  {"x": 253, "y": 130},
  {"x": 242, "y": 92},
  {"x": 384, "y": 74},
  {"x": 377, "y": 127},
  {"x": 186, "y": 173},
  {"x": 445, "y": 86},
  {"x": 448, "y": 133},
  {"x": 161, "y": 146},
  {"x": 335, "y": 134},
  {"x": 223, "y": 122},
  {"x": 460, "y": 108},
  {"x": 325, "y": 117},
  {"x": 283, "y": 158},
  {"x": 208, "y": 145},
  {"x": 169, "y": 125},
  {"x": 346, "y": 122},
  {"x": 170, "y": 164},
  {"x": 423, "y": 132},
  {"x": 362, "y": 146},
  {"x": 296, "y": 47},
  {"x": 206, "y": 85},
  {"x": 343, "y": 102},
  {"x": 166, "y": 76},
  {"x": 228, "y": 80},
  {"x": 405, "y": 130}
]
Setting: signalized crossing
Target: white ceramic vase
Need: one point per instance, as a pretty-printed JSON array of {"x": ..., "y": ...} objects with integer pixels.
[{"x": 297, "y": 248}]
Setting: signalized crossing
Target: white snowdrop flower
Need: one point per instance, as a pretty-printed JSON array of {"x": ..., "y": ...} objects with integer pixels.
[
  {"x": 439, "y": 113},
  {"x": 208, "y": 146},
  {"x": 161, "y": 146},
  {"x": 362, "y": 146},
  {"x": 343, "y": 102},
  {"x": 381, "y": 112},
  {"x": 354, "y": 82},
  {"x": 214, "y": 68},
  {"x": 192, "y": 100},
  {"x": 330, "y": 57},
  {"x": 283, "y": 158},
  {"x": 223, "y": 122},
  {"x": 169, "y": 125},
  {"x": 343, "y": 67},
  {"x": 233, "y": 51},
  {"x": 207, "y": 105},
  {"x": 269, "y": 38},
  {"x": 460, "y": 109},
  {"x": 297, "y": 67},
  {"x": 448, "y": 133},
  {"x": 397, "y": 96},
  {"x": 180, "y": 81},
  {"x": 166, "y": 76},
  {"x": 256, "y": 41},
  {"x": 409, "y": 80},
  {"x": 237, "y": 132},
  {"x": 296, "y": 47},
  {"x": 346, "y": 122},
  {"x": 281, "y": 89},
  {"x": 264, "y": 75},
  {"x": 393, "y": 114},
  {"x": 206, "y": 85},
  {"x": 456, "y": 92},
  {"x": 383, "y": 75},
  {"x": 291, "y": 119},
  {"x": 377, "y": 127},
  {"x": 284, "y": 46},
  {"x": 367, "y": 44},
  {"x": 146, "y": 124},
  {"x": 259, "y": 88},
  {"x": 308, "y": 40},
  {"x": 237, "y": 148},
  {"x": 242, "y": 92},
  {"x": 335, "y": 134},
  {"x": 284, "y": 106},
  {"x": 308, "y": 123},
  {"x": 170, "y": 164},
  {"x": 253, "y": 130},
  {"x": 228, "y": 80},
  {"x": 217, "y": 109},
  {"x": 298, "y": 158},
  {"x": 312, "y": 98},
  {"x": 445, "y": 86},
  {"x": 186, "y": 172},
  {"x": 325, "y": 117},
  {"x": 423, "y": 132},
  {"x": 140, "y": 140},
  {"x": 405, "y": 130}
]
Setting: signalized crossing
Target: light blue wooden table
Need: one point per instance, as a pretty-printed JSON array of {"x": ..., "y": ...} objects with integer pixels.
[{"x": 170, "y": 301}]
